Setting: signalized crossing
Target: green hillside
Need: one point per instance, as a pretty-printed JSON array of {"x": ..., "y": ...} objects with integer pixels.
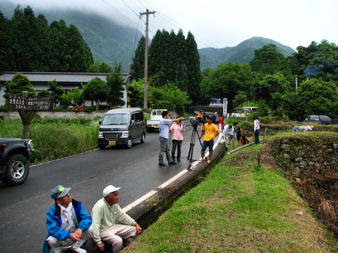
[
  {"x": 242, "y": 53},
  {"x": 108, "y": 40}
]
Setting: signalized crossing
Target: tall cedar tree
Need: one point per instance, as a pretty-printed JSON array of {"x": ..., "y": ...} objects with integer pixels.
[
  {"x": 31, "y": 45},
  {"x": 172, "y": 58},
  {"x": 193, "y": 78},
  {"x": 137, "y": 67},
  {"x": 5, "y": 54}
]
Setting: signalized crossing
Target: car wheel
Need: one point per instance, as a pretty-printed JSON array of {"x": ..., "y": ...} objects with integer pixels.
[
  {"x": 129, "y": 143},
  {"x": 143, "y": 138},
  {"x": 17, "y": 170},
  {"x": 102, "y": 146}
]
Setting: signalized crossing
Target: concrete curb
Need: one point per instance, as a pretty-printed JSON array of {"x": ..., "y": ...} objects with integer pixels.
[{"x": 151, "y": 205}]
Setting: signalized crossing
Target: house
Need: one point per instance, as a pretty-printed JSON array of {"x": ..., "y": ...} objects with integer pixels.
[{"x": 66, "y": 80}]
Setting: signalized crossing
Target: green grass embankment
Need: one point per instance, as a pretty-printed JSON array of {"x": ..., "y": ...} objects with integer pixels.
[
  {"x": 55, "y": 138},
  {"x": 239, "y": 207}
]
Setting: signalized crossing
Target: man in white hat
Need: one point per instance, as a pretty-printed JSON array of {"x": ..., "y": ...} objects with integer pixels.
[{"x": 106, "y": 212}]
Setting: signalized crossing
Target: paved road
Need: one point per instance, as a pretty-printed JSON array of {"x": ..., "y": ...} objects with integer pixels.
[{"x": 23, "y": 207}]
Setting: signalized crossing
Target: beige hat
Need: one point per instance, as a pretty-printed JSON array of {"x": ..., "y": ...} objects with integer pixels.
[{"x": 109, "y": 189}]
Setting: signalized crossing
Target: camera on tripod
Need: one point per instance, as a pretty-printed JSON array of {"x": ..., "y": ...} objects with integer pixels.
[{"x": 194, "y": 121}]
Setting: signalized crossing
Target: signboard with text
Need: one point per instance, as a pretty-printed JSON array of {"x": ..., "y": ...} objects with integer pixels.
[{"x": 26, "y": 103}]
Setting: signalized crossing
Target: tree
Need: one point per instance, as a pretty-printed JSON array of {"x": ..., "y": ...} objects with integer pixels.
[
  {"x": 227, "y": 80},
  {"x": 73, "y": 97},
  {"x": 56, "y": 91},
  {"x": 5, "y": 49},
  {"x": 268, "y": 60},
  {"x": 100, "y": 67},
  {"x": 316, "y": 60},
  {"x": 20, "y": 85},
  {"x": 319, "y": 97},
  {"x": 193, "y": 71},
  {"x": 95, "y": 90},
  {"x": 270, "y": 89},
  {"x": 137, "y": 67},
  {"x": 115, "y": 85}
]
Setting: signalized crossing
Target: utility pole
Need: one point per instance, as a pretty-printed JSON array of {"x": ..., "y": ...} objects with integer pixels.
[{"x": 146, "y": 59}]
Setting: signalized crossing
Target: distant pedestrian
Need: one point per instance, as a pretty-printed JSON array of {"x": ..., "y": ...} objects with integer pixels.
[
  {"x": 177, "y": 137},
  {"x": 256, "y": 129},
  {"x": 211, "y": 132},
  {"x": 220, "y": 122},
  {"x": 68, "y": 223},
  {"x": 165, "y": 123},
  {"x": 229, "y": 132},
  {"x": 216, "y": 118},
  {"x": 239, "y": 134}
]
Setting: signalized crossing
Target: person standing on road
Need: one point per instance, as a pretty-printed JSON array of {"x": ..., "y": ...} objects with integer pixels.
[
  {"x": 210, "y": 131},
  {"x": 165, "y": 123},
  {"x": 256, "y": 129},
  {"x": 177, "y": 131},
  {"x": 106, "y": 214},
  {"x": 68, "y": 223}
]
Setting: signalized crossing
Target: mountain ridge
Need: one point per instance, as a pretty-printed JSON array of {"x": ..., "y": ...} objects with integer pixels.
[
  {"x": 113, "y": 42},
  {"x": 242, "y": 53}
]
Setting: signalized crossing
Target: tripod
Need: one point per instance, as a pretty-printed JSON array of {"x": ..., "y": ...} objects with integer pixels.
[{"x": 192, "y": 143}]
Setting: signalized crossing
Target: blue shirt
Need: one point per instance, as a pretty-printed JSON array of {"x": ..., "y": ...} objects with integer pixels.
[{"x": 164, "y": 128}]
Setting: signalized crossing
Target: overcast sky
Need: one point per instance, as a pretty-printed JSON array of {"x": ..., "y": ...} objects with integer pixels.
[{"x": 220, "y": 23}]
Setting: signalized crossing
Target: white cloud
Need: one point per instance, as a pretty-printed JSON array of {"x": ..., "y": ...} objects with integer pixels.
[{"x": 221, "y": 23}]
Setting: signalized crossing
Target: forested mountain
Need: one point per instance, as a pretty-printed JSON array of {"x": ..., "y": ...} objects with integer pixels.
[
  {"x": 242, "y": 53},
  {"x": 108, "y": 40}
]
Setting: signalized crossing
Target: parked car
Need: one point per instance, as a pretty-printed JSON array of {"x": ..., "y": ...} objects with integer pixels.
[
  {"x": 122, "y": 127},
  {"x": 241, "y": 112},
  {"x": 14, "y": 156},
  {"x": 322, "y": 119},
  {"x": 154, "y": 122}
]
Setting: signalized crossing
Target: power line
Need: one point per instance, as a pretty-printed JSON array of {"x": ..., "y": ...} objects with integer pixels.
[{"x": 130, "y": 8}]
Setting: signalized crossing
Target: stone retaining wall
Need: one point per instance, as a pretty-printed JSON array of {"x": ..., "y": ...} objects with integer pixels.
[{"x": 310, "y": 162}]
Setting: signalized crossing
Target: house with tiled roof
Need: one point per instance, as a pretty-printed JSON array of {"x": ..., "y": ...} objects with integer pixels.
[{"x": 66, "y": 80}]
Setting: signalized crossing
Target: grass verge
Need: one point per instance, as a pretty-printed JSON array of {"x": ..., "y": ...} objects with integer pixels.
[
  {"x": 55, "y": 138},
  {"x": 240, "y": 207}
]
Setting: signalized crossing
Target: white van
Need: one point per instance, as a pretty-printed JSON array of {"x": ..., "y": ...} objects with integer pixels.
[{"x": 241, "y": 112}]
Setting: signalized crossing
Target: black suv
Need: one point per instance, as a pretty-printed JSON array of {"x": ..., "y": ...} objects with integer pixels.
[{"x": 14, "y": 156}]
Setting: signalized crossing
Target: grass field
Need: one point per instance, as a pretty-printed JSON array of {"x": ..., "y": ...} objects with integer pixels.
[
  {"x": 239, "y": 207},
  {"x": 55, "y": 138}
]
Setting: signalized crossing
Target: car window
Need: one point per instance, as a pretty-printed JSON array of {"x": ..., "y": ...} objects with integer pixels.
[
  {"x": 139, "y": 116},
  {"x": 116, "y": 119},
  {"x": 325, "y": 118},
  {"x": 154, "y": 112},
  {"x": 314, "y": 117}
]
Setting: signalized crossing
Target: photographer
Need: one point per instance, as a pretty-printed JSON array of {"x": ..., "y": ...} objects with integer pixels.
[
  {"x": 210, "y": 131},
  {"x": 165, "y": 123}
]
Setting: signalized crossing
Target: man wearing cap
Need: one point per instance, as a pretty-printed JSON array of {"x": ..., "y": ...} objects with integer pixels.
[
  {"x": 211, "y": 131},
  {"x": 106, "y": 213},
  {"x": 68, "y": 223}
]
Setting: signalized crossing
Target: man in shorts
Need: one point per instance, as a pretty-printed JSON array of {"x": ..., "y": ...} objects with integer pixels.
[{"x": 210, "y": 131}]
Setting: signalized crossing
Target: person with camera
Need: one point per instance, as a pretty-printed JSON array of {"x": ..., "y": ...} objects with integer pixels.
[
  {"x": 165, "y": 123},
  {"x": 177, "y": 137},
  {"x": 210, "y": 132}
]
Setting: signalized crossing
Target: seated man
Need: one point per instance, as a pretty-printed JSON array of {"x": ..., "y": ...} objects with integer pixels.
[
  {"x": 68, "y": 223},
  {"x": 106, "y": 212}
]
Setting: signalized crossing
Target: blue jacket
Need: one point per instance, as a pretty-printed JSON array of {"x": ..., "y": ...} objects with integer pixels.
[{"x": 54, "y": 222}]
